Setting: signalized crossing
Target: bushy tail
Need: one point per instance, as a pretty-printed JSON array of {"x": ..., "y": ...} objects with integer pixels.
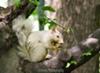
[{"x": 22, "y": 28}]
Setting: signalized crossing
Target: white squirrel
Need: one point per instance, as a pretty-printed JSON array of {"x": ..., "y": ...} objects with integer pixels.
[{"x": 35, "y": 46}]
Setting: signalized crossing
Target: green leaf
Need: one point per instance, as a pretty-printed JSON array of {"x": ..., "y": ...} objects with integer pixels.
[
  {"x": 48, "y": 8},
  {"x": 17, "y": 3},
  {"x": 68, "y": 65},
  {"x": 87, "y": 54},
  {"x": 35, "y": 12},
  {"x": 52, "y": 24},
  {"x": 68, "y": 30},
  {"x": 73, "y": 62},
  {"x": 35, "y": 2}
]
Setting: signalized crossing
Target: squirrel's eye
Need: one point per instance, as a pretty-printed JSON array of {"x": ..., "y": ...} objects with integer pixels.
[{"x": 57, "y": 36}]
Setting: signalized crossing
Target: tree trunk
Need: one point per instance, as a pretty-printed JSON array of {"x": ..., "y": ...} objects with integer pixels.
[{"x": 78, "y": 17}]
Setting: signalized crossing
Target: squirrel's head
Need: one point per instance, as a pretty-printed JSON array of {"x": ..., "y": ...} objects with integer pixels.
[{"x": 57, "y": 38}]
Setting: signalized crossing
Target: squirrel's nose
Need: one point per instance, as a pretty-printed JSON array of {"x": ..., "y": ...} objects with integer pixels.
[{"x": 61, "y": 41}]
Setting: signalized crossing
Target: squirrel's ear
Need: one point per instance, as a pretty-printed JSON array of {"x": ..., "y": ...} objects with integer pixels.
[{"x": 53, "y": 29}]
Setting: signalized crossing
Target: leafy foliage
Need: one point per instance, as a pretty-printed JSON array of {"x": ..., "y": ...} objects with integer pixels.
[
  {"x": 40, "y": 11},
  {"x": 17, "y": 3},
  {"x": 43, "y": 18},
  {"x": 36, "y": 2},
  {"x": 87, "y": 52},
  {"x": 71, "y": 62},
  {"x": 48, "y": 8}
]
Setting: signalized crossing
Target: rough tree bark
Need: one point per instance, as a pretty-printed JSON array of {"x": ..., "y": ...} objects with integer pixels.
[
  {"x": 79, "y": 15},
  {"x": 9, "y": 60}
]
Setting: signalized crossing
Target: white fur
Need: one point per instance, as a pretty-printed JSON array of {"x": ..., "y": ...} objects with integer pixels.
[{"x": 34, "y": 46}]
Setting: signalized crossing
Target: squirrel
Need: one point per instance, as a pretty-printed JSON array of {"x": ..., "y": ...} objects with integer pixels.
[{"x": 35, "y": 46}]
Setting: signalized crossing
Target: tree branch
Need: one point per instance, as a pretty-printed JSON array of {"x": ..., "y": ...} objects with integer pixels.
[
  {"x": 58, "y": 62},
  {"x": 92, "y": 43},
  {"x": 7, "y": 36}
]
